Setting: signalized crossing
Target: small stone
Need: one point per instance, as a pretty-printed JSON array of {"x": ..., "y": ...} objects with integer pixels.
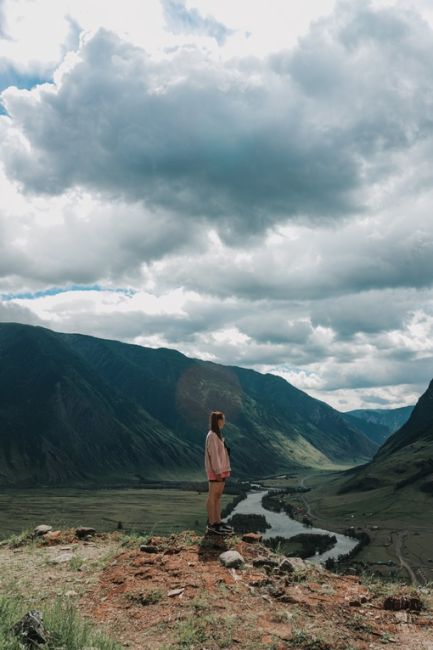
[
  {"x": 231, "y": 559},
  {"x": 291, "y": 564},
  {"x": 276, "y": 592},
  {"x": 149, "y": 548},
  {"x": 264, "y": 561},
  {"x": 176, "y": 592},
  {"x": 287, "y": 598},
  {"x": 285, "y": 567},
  {"x": 252, "y": 538},
  {"x": 236, "y": 576},
  {"x": 42, "y": 529},
  {"x": 259, "y": 582},
  {"x": 52, "y": 535},
  {"x": 83, "y": 531}
]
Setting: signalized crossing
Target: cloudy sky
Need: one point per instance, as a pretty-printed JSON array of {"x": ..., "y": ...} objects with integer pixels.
[{"x": 247, "y": 182}]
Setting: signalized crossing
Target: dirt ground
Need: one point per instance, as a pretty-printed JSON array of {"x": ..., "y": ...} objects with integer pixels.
[{"x": 177, "y": 594}]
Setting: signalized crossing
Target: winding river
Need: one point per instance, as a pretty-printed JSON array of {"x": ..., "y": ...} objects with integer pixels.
[{"x": 282, "y": 524}]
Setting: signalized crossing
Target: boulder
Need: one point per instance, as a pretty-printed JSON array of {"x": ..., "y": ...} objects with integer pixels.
[
  {"x": 231, "y": 559},
  {"x": 291, "y": 564},
  {"x": 403, "y": 601},
  {"x": 30, "y": 629},
  {"x": 42, "y": 529}
]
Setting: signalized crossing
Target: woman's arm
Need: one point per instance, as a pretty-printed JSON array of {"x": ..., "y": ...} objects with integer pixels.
[{"x": 216, "y": 454}]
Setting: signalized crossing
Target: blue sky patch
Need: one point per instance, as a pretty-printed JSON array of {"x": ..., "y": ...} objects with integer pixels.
[
  {"x": 12, "y": 77},
  {"x": 31, "y": 295}
]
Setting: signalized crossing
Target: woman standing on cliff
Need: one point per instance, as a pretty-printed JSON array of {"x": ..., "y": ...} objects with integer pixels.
[{"x": 217, "y": 465}]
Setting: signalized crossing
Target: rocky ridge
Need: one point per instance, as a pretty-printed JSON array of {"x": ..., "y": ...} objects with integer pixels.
[{"x": 183, "y": 591}]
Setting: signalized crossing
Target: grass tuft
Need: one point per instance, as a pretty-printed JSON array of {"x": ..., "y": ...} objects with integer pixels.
[{"x": 62, "y": 621}]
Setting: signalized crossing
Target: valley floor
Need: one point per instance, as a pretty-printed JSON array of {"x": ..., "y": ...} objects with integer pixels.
[{"x": 400, "y": 533}]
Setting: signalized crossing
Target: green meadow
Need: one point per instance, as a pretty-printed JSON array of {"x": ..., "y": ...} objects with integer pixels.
[{"x": 149, "y": 510}]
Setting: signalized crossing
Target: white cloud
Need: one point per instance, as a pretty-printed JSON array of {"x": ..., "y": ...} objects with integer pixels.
[
  {"x": 39, "y": 29},
  {"x": 259, "y": 195}
]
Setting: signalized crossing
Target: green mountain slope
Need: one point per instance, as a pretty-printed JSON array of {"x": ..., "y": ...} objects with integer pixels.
[
  {"x": 81, "y": 408},
  {"x": 59, "y": 421},
  {"x": 270, "y": 423},
  {"x": 406, "y": 458}
]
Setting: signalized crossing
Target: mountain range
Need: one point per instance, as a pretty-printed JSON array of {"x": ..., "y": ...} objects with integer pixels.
[
  {"x": 379, "y": 424},
  {"x": 78, "y": 409},
  {"x": 405, "y": 459}
]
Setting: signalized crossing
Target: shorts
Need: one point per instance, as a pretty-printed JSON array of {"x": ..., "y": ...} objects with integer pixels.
[{"x": 212, "y": 477}]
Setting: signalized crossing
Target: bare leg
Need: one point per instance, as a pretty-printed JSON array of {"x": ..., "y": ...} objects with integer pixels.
[
  {"x": 218, "y": 503},
  {"x": 212, "y": 508},
  {"x": 219, "y": 490}
]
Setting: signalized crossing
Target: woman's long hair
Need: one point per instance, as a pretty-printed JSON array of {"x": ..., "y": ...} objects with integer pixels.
[{"x": 213, "y": 421}]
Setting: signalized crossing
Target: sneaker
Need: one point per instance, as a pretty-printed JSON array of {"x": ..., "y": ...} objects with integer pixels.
[
  {"x": 226, "y": 528},
  {"x": 216, "y": 529},
  {"x": 222, "y": 524}
]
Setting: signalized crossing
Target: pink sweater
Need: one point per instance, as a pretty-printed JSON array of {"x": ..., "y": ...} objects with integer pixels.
[{"x": 216, "y": 457}]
